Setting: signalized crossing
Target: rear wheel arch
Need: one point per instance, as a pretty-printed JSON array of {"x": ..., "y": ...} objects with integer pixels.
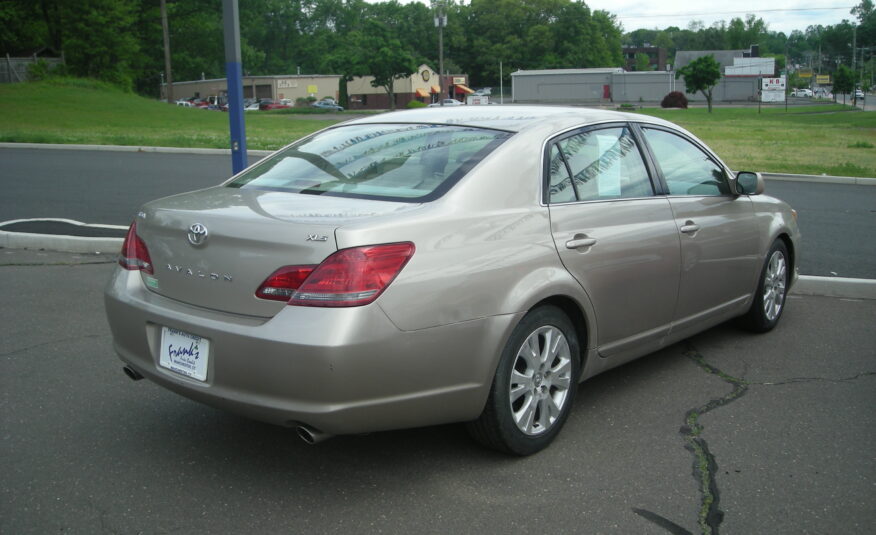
[
  {"x": 577, "y": 316},
  {"x": 792, "y": 253}
]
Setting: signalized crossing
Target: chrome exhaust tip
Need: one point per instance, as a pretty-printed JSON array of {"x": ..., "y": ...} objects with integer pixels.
[
  {"x": 133, "y": 374},
  {"x": 310, "y": 435}
]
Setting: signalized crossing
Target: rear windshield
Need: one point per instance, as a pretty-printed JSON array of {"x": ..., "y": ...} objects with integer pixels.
[{"x": 412, "y": 163}]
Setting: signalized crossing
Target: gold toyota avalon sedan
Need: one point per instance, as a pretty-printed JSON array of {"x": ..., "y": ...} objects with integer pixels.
[{"x": 464, "y": 264}]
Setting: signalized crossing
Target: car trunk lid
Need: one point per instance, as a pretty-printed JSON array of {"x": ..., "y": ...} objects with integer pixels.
[{"x": 213, "y": 248}]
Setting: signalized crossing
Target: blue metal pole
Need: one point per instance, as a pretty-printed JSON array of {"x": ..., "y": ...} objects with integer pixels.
[{"x": 234, "y": 75}]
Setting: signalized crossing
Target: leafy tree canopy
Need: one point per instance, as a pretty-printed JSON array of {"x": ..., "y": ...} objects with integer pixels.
[{"x": 701, "y": 75}]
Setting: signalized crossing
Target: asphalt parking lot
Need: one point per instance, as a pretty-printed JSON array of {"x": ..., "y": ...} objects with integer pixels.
[{"x": 726, "y": 431}]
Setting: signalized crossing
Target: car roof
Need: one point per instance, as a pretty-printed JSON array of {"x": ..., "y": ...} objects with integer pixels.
[{"x": 513, "y": 118}]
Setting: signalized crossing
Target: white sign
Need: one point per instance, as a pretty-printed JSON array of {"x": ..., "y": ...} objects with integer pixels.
[{"x": 773, "y": 89}]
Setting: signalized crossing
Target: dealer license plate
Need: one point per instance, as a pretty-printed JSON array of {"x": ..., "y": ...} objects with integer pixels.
[{"x": 184, "y": 353}]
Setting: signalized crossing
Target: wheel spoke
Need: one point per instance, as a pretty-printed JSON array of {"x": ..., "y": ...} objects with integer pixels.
[
  {"x": 520, "y": 384},
  {"x": 544, "y": 413},
  {"x": 524, "y": 417},
  {"x": 547, "y": 348}
]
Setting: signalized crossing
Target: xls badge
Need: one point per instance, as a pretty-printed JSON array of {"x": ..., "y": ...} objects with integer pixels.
[{"x": 197, "y": 234}]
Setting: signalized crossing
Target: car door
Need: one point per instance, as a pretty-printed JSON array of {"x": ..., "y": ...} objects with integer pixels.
[
  {"x": 719, "y": 236},
  {"x": 614, "y": 235}
]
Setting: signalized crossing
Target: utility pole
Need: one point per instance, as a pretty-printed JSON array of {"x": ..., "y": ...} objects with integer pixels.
[
  {"x": 440, "y": 23},
  {"x": 234, "y": 76},
  {"x": 854, "y": 44},
  {"x": 169, "y": 88},
  {"x": 501, "y": 85}
]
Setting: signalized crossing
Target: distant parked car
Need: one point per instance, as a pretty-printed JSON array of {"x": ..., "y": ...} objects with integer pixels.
[
  {"x": 269, "y": 104},
  {"x": 859, "y": 93},
  {"x": 447, "y": 102},
  {"x": 184, "y": 103},
  {"x": 802, "y": 92},
  {"x": 326, "y": 105},
  {"x": 250, "y": 104}
]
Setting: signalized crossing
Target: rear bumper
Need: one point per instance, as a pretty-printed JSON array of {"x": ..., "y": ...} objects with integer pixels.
[{"x": 343, "y": 370}]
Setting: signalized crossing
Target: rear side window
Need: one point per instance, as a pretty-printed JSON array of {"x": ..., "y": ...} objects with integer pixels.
[
  {"x": 379, "y": 161},
  {"x": 598, "y": 165}
]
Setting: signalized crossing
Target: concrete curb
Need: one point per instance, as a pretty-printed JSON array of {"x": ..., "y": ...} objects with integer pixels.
[
  {"x": 835, "y": 287},
  {"x": 127, "y": 148},
  {"x": 825, "y": 179},
  {"x": 64, "y": 244}
]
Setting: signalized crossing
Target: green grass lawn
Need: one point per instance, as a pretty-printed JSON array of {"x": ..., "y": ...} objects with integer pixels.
[
  {"x": 829, "y": 139},
  {"x": 84, "y": 111}
]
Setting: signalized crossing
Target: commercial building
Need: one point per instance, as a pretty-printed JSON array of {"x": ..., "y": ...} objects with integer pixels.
[
  {"x": 423, "y": 85},
  {"x": 741, "y": 72},
  {"x": 282, "y": 86}
]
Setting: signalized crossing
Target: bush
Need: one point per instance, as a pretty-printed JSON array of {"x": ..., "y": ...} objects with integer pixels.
[
  {"x": 416, "y": 104},
  {"x": 676, "y": 99}
]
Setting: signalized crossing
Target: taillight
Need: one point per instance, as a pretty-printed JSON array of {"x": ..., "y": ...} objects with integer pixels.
[
  {"x": 347, "y": 278},
  {"x": 135, "y": 255},
  {"x": 282, "y": 283}
]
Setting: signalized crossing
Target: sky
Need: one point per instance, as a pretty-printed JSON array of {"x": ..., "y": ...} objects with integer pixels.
[{"x": 780, "y": 15}]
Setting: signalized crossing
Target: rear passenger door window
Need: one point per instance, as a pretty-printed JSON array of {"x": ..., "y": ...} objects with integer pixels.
[
  {"x": 685, "y": 167},
  {"x": 598, "y": 165}
]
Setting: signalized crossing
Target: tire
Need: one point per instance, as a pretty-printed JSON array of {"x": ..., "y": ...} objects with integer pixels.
[
  {"x": 772, "y": 289},
  {"x": 534, "y": 387}
]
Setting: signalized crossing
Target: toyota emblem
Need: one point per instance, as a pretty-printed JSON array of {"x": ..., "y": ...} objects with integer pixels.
[{"x": 197, "y": 234}]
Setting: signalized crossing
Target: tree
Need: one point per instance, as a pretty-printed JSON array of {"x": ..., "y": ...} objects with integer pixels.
[
  {"x": 374, "y": 50},
  {"x": 701, "y": 75},
  {"x": 643, "y": 62},
  {"x": 843, "y": 81}
]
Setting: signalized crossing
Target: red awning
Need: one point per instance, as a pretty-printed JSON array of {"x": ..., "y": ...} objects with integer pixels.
[
  {"x": 464, "y": 89},
  {"x": 436, "y": 89},
  {"x": 422, "y": 93}
]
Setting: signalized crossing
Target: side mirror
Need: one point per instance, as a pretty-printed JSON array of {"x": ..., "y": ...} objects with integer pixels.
[{"x": 748, "y": 183}]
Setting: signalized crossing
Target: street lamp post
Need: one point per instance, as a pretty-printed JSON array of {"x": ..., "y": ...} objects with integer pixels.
[{"x": 440, "y": 23}]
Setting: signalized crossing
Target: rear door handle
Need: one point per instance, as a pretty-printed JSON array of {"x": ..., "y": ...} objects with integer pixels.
[
  {"x": 689, "y": 227},
  {"x": 580, "y": 242}
]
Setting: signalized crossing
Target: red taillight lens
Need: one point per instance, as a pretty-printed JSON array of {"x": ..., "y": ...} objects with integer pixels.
[
  {"x": 135, "y": 255},
  {"x": 347, "y": 278},
  {"x": 282, "y": 283},
  {"x": 353, "y": 277}
]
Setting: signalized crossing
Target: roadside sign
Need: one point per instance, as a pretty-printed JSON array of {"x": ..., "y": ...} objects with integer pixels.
[{"x": 773, "y": 89}]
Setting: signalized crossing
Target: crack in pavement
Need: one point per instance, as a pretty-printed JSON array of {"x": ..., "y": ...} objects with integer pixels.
[
  {"x": 816, "y": 380},
  {"x": 705, "y": 467},
  {"x": 50, "y": 342}
]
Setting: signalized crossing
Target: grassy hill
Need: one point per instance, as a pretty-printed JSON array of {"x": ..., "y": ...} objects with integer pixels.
[
  {"x": 831, "y": 139},
  {"x": 71, "y": 110}
]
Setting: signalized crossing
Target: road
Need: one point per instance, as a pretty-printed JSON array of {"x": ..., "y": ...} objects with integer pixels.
[
  {"x": 837, "y": 221},
  {"x": 789, "y": 450}
]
